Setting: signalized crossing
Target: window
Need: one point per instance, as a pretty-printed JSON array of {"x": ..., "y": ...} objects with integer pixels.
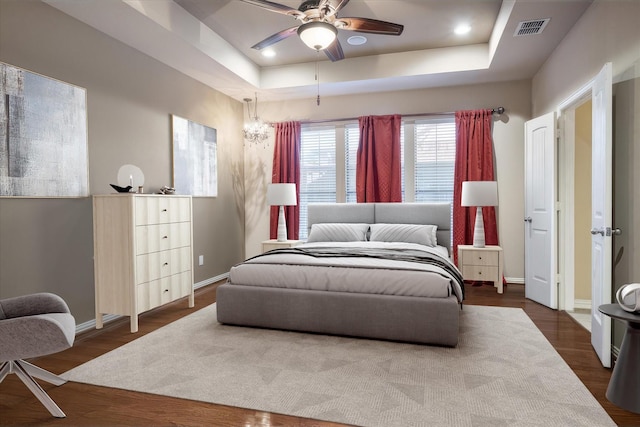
[
  {"x": 435, "y": 155},
  {"x": 431, "y": 156},
  {"x": 317, "y": 170}
]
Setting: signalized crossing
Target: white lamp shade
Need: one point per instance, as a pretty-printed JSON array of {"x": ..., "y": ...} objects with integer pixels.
[
  {"x": 281, "y": 195},
  {"x": 479, "y": 193},
  {"x": 317, "y": 35}
]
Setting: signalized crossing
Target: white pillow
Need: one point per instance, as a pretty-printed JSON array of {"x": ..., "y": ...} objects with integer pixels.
[
  {"x": 338, "y": 232},
  {"x": 407, "y": 233}
]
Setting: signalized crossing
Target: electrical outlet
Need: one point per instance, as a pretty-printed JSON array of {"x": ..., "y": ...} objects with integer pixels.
[{"x": 201, "y": 260}]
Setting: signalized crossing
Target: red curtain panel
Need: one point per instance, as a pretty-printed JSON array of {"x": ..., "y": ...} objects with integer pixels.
[
  {"x": 474, "y": 162},
  {"x": 378, "y": 166},
  {"x": 286, "y": 169}
]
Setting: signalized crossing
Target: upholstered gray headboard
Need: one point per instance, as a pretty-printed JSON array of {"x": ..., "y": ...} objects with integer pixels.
[{"x": 386, "y": 213}]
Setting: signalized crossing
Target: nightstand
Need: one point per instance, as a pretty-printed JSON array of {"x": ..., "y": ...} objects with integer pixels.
[
  {"x": 267, "y": 245},
  {"x": 481, "y": 264},
  {"x": 623, "y": 389}
]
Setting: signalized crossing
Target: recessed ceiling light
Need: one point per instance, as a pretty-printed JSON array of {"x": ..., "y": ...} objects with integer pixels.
[
  {"x": 356, "y": 40},
  {"x": 269, "y": 53},
  {"x": 462, "y": 29}
]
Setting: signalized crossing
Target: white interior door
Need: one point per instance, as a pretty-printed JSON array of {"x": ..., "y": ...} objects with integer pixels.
[
  {"x": 539, "y": 241},
  {"x": 601, "y": 213}
]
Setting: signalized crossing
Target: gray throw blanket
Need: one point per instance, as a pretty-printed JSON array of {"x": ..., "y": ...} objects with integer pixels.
[{"x": 407, "y": 255}]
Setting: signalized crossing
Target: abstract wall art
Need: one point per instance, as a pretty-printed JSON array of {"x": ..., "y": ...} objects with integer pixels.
[
  {"x": 194, "y": 158},
  {"x": 43, "y": 136}
]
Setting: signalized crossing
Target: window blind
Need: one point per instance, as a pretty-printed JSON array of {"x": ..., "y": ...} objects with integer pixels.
[
  {"x": 351, "y": 141},
  {"x": 435, "y": 153},
  {"x": 317, "y": 170}
]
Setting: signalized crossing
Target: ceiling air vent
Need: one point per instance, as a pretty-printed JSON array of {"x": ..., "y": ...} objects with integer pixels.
[{"x": 529, "y": 28}]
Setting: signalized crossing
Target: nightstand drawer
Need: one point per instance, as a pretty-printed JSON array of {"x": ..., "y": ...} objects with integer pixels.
[
  {"x": 476, "y": 272},
  {"x": 471, "y": 257},
  {"x": 268, "y": 245}
]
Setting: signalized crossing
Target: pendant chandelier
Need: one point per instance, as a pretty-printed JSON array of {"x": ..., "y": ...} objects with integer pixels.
[{"x": 255, "y": 131}]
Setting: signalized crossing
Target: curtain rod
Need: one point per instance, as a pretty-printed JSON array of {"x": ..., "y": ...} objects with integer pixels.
[{"x": 499, "y": 110}]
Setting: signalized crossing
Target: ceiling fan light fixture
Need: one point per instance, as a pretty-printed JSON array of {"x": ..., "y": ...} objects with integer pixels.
[{"x": 317, "y": 35}]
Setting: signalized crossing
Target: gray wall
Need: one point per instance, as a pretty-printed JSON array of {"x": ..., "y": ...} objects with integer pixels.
[{"x": 47, "y": 244}]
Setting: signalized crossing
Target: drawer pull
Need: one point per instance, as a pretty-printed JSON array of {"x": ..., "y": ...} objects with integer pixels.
[
  {"x": 164, "y": 210},
  {"x": 165, "y": 264},
  {"x": 166, "y": 290},
  {"x": 165, "y": 237},
  {"x": 479, "y": 257}
]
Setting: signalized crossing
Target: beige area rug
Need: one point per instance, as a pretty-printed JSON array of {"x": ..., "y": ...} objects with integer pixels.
[{"x": 503, "y": 372}]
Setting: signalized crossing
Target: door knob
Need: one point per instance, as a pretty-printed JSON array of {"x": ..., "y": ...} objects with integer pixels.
[
  {"x": 614, "y": 232},
  {"x": 527, "y": 219},
  {"x": 594, "y": 231}
]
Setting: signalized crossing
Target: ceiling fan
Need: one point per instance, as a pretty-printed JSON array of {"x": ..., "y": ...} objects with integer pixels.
[{"x": 320, "y": 25}]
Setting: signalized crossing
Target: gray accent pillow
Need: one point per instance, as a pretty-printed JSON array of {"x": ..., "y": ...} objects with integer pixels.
[
  {"x": 407, "y": 233},
  {"x": 338, "y": 232}
]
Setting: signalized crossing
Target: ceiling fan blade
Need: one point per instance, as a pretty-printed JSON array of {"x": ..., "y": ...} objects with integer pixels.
[
  {"x": 340, "y": 4},
  {"x": 276, "y": 7},
  {"x": 275, "y": 38},
  {"x": 334, "y": 52},
  {"x": 366, "y": 25}
]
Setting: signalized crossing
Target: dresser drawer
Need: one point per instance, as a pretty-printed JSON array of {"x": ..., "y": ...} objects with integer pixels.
[
  {"x": 156, "y": 265},
  {"x": 477, "y": 272},
  {"x": 158, "y": 292},
  {"x": 160, "y": 237},
  {"x": 471, "y": 257},
  {"x": 162, "y": 210}
]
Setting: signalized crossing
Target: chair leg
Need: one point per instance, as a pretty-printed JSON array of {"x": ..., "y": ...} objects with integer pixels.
[
  {"x": 38, "y": 372},
  {"x": 22, "y": 369},
  {"x": 5, "y": 369}
]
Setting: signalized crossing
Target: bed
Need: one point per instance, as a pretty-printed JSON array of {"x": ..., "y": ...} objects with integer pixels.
[{"x": 384, "y": 282}]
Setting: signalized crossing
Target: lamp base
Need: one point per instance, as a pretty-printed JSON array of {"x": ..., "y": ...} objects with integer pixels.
[
  {"x": 478, "y": 229},
  {"x": 282, "y": 226}
]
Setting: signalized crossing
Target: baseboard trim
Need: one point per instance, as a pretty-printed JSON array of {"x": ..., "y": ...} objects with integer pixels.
[
  {"x": 584, "y": 304},
  {"x": 211, "y": 280},
  {"x": 91, "y": 324},
  {"x": 515, "y": 280}
]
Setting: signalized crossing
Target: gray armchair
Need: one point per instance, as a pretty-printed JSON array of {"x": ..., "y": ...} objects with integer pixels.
[{"x": 31, "y": 326}]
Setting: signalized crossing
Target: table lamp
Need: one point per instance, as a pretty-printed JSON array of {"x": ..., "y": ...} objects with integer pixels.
[
  {"x": 281, "y": 195},
  {"x": 479, "y": 194}
]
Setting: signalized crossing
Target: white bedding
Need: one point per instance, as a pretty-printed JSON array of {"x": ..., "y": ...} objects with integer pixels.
[{"x": 350, "y": 274}]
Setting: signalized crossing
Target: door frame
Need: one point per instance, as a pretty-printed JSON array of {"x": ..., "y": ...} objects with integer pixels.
[{"x": 565, "y": 114}]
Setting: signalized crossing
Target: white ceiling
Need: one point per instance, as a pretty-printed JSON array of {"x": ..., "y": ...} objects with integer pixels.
[{"x": 210, "y": 40}]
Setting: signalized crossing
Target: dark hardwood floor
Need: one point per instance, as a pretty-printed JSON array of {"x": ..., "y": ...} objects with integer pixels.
[{"x": 87, "y": 405}]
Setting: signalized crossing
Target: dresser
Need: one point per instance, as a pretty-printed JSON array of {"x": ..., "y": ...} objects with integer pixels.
[
  {"x": 484, "y": 264},
  {"x": 143, "y": 256}
]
